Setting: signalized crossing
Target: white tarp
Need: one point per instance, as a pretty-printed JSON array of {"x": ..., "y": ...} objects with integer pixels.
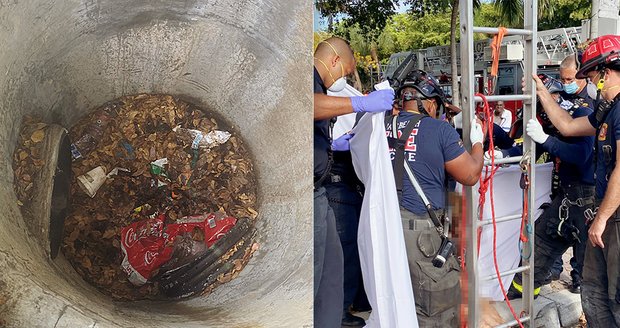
[
  {"x": 380, "y": 238},
  {"x": 344, "y": 123},
  {"x": 507, "y": 199}
]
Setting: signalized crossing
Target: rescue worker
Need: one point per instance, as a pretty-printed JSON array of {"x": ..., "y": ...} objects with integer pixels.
[
  {"x": 333, "y": 61},
  {"x": 431, "y": 148},
  {"x": 575, "y": 91},
  {"x": 600, "y": 298},
  {"x": 563, "y": 223}
]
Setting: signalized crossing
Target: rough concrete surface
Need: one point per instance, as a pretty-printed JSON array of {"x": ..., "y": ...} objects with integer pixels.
[
  {"x": 239, "y": 58},
  {"x": 556, "y": 306}
]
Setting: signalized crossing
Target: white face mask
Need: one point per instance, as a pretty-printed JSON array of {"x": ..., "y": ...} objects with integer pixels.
[{"x": 338, "y": 85}]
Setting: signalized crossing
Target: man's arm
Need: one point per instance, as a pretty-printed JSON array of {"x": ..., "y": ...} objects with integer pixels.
[
  {"x": 326, "y": 107},
  {"x": 610, "y": 203},
  {"x": 560, "y": 118},
  {"x": 466, "y": 168},
  {"x": 577, "y": 152}
]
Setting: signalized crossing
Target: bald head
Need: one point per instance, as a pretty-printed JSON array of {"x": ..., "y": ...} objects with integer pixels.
[
  {"x": 342, "y": 47},
  {"x": 333, "y": 59}
]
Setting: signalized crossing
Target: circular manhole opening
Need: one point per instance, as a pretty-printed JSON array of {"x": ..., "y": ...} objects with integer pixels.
[{"x": 163, "y": 199}]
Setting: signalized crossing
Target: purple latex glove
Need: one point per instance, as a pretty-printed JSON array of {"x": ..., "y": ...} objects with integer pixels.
[
  {"x": 376, "y": 101},
  {"x": 342, "y": 143}
]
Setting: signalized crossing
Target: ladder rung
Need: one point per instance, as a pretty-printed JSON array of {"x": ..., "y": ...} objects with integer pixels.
[
  {"x": 503, "y": 98},
  {"x": 507, "y": 160},
  {"x": 507, "y": 272},
  {"x": 495, "y": 30},
  {"x": 514, "y": 322},
  {"x": 498, "y": 220}
]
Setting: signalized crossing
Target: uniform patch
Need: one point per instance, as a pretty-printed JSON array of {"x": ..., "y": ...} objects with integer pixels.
[{"x": 602, "y": 135}]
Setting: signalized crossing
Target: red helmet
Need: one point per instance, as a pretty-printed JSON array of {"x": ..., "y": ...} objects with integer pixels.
[{"x": 600, "y": 53}]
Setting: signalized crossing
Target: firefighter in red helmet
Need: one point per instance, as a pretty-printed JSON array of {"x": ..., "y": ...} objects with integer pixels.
[{"x": 601, "y": 273}]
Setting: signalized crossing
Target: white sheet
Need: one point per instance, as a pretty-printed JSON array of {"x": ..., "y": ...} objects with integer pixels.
[
  {"x": 380, "y": 239},
  {"x": 507, "y": 198},
  {"x": 344, "y": 123}
]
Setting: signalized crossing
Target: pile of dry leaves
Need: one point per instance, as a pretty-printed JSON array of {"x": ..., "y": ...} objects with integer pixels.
[
  {"x": 131, "y": 133},
  {"x": 27, "y": 159}
]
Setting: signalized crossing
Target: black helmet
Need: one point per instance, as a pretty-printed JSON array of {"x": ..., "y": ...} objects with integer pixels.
[
  {"x": 553, "y": 85},
  {"x": 426, "y": 85}
]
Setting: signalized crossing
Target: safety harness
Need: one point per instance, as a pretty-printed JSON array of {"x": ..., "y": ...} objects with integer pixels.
[{"x": 398, "y": 143}]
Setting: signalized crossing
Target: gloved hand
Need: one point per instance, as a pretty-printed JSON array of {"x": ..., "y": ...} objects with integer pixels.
[
  {"x": 342, "y": 143},
  {"x": 535, "y": 131},
  {"x": 476, "y": 135},
  {"x": 497, "y": 154},
  {"x": 376, "y": 101}
]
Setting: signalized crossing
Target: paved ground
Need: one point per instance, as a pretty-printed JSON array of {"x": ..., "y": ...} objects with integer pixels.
[{"x": 555, "y": 307}]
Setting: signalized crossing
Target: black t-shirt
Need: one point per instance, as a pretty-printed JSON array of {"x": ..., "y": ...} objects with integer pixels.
[{"x": 321, "y": 134}]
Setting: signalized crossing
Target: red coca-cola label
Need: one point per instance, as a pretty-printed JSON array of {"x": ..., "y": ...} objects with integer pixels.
[{"x": 148, "y": 244}]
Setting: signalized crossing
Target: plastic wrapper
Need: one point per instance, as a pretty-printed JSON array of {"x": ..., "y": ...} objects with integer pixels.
[
  {"x": 89, "y": 140},
  {"x": 198, "y": 139},
  {"x": 149, "y": 244}
]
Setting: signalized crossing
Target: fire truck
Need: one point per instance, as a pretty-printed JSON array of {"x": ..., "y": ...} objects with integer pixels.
[{"x": 553, "y": 46}]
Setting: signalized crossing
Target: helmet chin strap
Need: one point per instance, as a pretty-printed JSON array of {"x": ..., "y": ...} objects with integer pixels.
[
  {"x": 421, "y": 108},
  {"x": 599, "y": 85}
]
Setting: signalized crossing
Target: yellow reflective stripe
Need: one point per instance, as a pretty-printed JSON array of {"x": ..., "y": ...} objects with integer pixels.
[{"x": 519, "y": 288}]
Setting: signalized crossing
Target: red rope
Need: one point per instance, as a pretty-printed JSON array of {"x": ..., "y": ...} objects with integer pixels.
[{"x": 485, "y": 184}]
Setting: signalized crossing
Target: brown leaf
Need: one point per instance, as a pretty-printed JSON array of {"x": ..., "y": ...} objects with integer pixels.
[
  {"x": 86, "y": 263},
  {"x": 37, "y": 136},
  {"x": 109, "y": 233}
]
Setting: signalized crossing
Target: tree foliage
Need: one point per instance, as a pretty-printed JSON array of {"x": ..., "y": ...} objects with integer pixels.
[{"x": 567, "y": 13}]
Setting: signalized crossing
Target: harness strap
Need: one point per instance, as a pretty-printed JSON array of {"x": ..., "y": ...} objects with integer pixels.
[{"x": 398, "y": 144}]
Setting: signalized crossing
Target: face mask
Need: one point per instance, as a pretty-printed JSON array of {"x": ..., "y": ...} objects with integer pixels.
[
  {"x": 571, "y": 88},
  {"x": 338, "y": 85}
]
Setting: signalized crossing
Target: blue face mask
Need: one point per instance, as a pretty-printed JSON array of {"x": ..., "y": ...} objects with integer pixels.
[{"x": 571, "y": 88}]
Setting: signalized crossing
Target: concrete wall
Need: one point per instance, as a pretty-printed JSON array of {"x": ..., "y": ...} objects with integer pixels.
[{"x": 248, "y": 60}]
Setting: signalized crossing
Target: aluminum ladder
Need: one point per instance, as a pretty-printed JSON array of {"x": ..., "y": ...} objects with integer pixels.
[{"x": 468, "y": 102}]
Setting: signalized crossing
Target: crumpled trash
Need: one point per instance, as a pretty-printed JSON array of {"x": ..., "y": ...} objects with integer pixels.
[
  {"x": 157, "y": 167},
  {"x": 148, "y": 244},
  {"x": 89, "y": 140},
  {"x": 92, "y": 180},
  {"x": 199, "y": 139}
]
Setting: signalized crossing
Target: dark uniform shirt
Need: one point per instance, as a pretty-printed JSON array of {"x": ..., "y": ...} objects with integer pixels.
[
  {"x": 606, "y": 138},
  {"x": 431, "y": 144},
  {"x": 321, "y": 134},
  {"x": 575, "y": 153}
]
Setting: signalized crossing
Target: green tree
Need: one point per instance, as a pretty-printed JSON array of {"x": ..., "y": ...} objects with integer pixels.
[
  {"x": 369, "y": 15},
  {"x": 421, "y": 7},
  {"x": 511, "y": 11},
  {"x": 567, "y": 13}
]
